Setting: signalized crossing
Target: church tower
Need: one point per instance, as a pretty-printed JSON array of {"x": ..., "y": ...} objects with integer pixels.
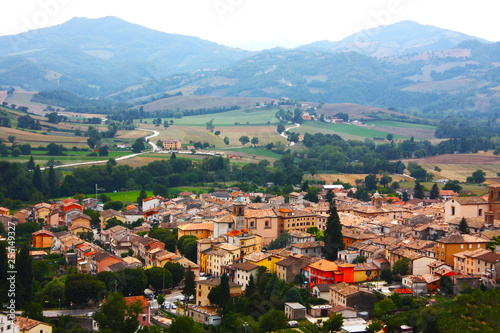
[
  {"x": 494, "y": 201},
  {"x": 239, "y": 213}
]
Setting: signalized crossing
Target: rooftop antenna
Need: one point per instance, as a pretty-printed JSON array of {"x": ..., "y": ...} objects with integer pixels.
[{"x": 97, "y": 189}]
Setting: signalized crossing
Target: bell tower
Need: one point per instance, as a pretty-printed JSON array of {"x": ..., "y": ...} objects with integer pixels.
[
  {"x": 494, "y": 200},
  {"x": 239, "y": 213}
]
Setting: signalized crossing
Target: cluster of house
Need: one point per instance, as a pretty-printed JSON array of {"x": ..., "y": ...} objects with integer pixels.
[{"x": 233, "y": 235}]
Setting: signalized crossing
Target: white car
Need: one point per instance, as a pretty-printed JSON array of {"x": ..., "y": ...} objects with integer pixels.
[
  {"x": 174, "y": 306},
  {"x": 90, "y": 314},
  {"x": 166, "y": 306}
]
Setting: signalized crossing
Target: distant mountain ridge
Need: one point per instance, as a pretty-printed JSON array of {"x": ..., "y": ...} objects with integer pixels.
[
  {"x": 105, "y": 54},
  {"x": 405, "y": 37}
]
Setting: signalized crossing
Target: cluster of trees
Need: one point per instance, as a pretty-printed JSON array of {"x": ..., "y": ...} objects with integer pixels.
[
  {"x": 28, "y": 123},
  {"x": 478, "y": 311},
  {"x": 289, "y": 116}
]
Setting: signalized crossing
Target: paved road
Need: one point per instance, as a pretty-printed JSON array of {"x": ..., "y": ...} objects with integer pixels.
[
  {"x": 75, "y": 312},
  {"x": 154, "y": 146},
  {"x": 155, "y": 133},
  {"x": 289, "y": 128}
]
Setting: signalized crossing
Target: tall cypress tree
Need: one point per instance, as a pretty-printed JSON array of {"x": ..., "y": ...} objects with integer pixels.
[
  {"x": 434, "y": 192},
  {"x": 419, "y": 191},
  {"x": 334, "y": 241},
  {"x": 225, "y": 294},
  {"x": 24, "y": 267},
  {"x": 463, "y": 226},
  {"x": 31, "y": 163},
  {"x": 189, "y": 284},
  {"x": 3, "y": 273},
  {"x": 52, "y": 181},
  {"x": 37, "y": 178}
]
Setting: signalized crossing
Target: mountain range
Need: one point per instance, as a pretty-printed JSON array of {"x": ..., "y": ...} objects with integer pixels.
[{"x": 405, "y": 65}]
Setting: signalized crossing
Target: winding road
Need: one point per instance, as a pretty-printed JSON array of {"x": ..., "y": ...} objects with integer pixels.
[
  {"x": 153, "y": 145},
  {"x": 289, "y": 128}
]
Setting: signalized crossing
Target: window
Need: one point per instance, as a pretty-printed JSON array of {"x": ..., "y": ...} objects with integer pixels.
[
  {"x": 452, "y": 210},
  {"x": 480, "y": 213}
]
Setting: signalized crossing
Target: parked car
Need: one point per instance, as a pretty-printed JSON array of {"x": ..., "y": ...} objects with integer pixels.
[{"x": 174, "y": 306}]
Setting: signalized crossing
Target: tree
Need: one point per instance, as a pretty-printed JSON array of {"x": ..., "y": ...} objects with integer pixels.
[
  {"x": 103, "y": 151},
  {"x": 161, "y": 299},
  {"x": 401, "y": 267},
  {"x": 389, "y": 137},
  {"x": 16, "y": 152},
  {"x": 375, "y": 326},
  {"x": 385, "y": 180},
  {"x": 176, "y": 269},
  {"x": 138, "y": 145},
  {"x": 280, "y": 128},
  {"x": 244, "y": 140},
  {"x": 251, "y": 287},
  {"x": 330, "y": 195},
  {"x": 477, "y": 177},
  {"x": 273, "y": 320},
  {"x": 494, "y": 243},
  {"x": 419, "y": 190},
  {"x": 452, "y": 185},
  {"x": 11, "y": 138},
  {"x": 282, "y": 241},
  {"x": 334, "y": 240},
  {"x": 446, "y": 285},
  {"x": 371, "y": 182},
  {"x": 359, "y": 259},
  {"x": 159, "y": 278},
  {"x": 313, "y": 170},
  {"x": 52, "y": 181},
  {"x": 333, "y": 323},
  {"x": 434, "y": 191},
  {"x": 210, "y": 125},
  {"x": 217, "y": 133},
  {"x": 463, "y": 227},
  {"x": 37, "y": 178},
  {"x": 226, "y": 140},
  {"x": 185, "y": 324},
  {"x": 189, "y": 284},
  {"x": 34, "y": 311},
  {"x": 24, "y": 276},
  {"x": 31, "y": 164},
  {"x": 255, "y": 141},
  {"x": 386, "y": 275},
  {"x": 160, "y": 190},
  {"x": 143, "y": 195},
  {"x": 115, "y": 316}
]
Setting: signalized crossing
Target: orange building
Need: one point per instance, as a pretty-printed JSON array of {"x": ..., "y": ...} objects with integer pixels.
[
  {"x": 327, "y": 272},
  {"x": 446, "y": 247},
  {"x": 172, "y": 144},
  {"x": 145, "y": 316},
  {"x": 42, "y": 239},
  {"x": 199, "y": 230},
  {"x": 4, "y": 211}
]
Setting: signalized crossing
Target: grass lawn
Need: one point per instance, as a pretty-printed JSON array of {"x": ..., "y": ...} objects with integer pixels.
[
  {"x": 390, "y": 123},
  {"x": 229, "y": 118},
  {"x": 476, "y": 188},
  {"x": 126, "y": 197},
  {"x": 346, "y": 131},
  {"x": 254, "y": 151}
]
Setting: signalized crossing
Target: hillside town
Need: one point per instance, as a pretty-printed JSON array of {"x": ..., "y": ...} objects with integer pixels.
[{"x": 236, "y": 236}]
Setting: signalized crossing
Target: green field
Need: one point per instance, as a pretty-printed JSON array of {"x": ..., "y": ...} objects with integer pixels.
[
  {"x": 390, "y": 123},
  {"x": 478, "y": 189},
  {"x": 254, "y": 151},
  {"x": 344, "y": 130},
  {"x": 229, "y": 118},
  {"x": 71, "y": 157}
]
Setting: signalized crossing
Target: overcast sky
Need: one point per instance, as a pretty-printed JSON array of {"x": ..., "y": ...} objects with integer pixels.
[{"x": 258, "y": 24}]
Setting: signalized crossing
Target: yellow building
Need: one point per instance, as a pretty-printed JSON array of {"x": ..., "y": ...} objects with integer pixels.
[
  {"x": 42, "y": 211},
  {"x": 203, "y": 288},
  {"x": 296, "y": 220},
  {"x": 446, "y": 247},
  {"x": 4, "y": 211},
  {"x": 245, "y": 240},
  {"x": 365, "y": 272},
  {"x": 42, "y": 239},
  {"x": 199, "y": 230},
  {"x": 172, "y": 144},
  {"x": 263, "y": 259},
  {"x": 109, "y": 214}
]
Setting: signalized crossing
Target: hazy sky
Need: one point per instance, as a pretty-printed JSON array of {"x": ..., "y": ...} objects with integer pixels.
[{"x": 257, "y": 24}]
